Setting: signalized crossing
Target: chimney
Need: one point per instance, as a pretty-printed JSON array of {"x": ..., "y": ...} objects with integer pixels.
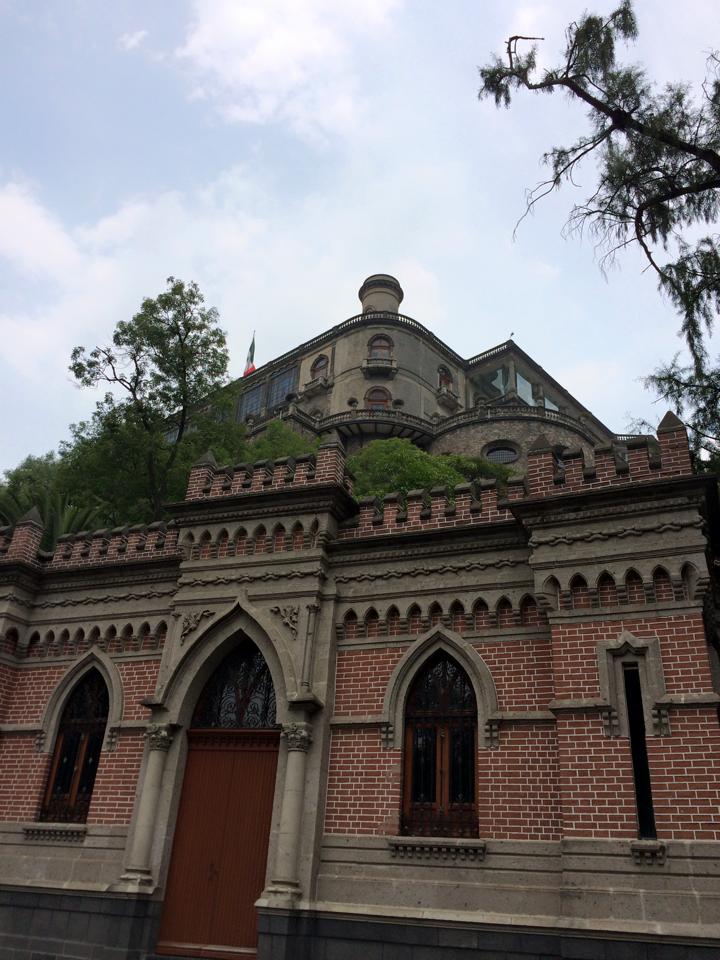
[{"x": 380, "y": 293}]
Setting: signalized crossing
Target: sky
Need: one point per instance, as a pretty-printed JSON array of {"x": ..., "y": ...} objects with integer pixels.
[{"x": 278, "y": 152}]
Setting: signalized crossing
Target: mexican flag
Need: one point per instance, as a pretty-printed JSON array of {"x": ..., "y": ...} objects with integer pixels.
[{"x": 250, "y": 365}]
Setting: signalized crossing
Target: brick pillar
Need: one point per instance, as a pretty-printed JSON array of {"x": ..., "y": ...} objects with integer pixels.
[
  {"x": 26, "y": 537},
  {"x": 201, "y": 476},
  {"x": 330, "y": 463},
  {"x": 541, "y": 468},
  {"x": 674, "y": 446}
]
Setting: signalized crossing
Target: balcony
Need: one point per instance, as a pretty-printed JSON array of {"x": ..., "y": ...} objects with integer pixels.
[
  {"x": 317, "y": 386},
  {"x": 379, "y": 367},
  {"x": 448, "y": 399}
]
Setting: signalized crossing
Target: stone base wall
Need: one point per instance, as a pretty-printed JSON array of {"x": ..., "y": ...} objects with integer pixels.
[
  {"x": 38, "y": 924},
  {"x": 318, "y": 936}
]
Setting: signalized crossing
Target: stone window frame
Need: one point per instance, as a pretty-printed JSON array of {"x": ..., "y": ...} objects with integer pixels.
[
  {"x": 50, "y": 722},
  {"x": 498, "y": 445},
  {"x": 645, "y": 652},
  {"x": 412, "y": 661},
  {"x": 390, "y": 347}
]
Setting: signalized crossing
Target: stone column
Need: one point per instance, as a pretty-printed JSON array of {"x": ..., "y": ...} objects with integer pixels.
[
  {"x": 284, "y": 888},
  {"x": 159, "y": 738}
]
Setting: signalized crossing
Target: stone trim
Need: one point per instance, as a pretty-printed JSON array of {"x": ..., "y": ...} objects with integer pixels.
[
  {"x": 437, "y": 848},
  {"x": 60, "y": 833}
]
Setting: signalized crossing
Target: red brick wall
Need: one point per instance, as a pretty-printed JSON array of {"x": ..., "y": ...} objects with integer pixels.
[
  {"x": 114, "y": 793},
  {"x": 22, "y": 782},
  {"x": 364, "y": 784},
  {"x": 518, "y": 785}
]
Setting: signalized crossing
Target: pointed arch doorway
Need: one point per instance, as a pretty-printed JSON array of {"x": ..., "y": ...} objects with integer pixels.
[{"x": 219, "y": 857}]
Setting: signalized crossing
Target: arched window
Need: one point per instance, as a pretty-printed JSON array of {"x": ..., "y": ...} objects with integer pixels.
[
  {"x": 435, "y": 614},
  {"x": 240, "y": 694},
  {"x": 380, "y": 348},
  {"x": 319, "y": 367},
  {"x": 445, "y": 378},
  {"x": 377, "y": 399},
  {"x": 530, "y": 613},
  {"x": 77, "y": 752},
  {"x": 440, "y": 752}
]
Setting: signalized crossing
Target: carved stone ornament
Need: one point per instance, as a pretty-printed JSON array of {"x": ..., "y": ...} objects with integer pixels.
[
  {"x": 55, "y": 833},
  {"x": 39, "y": 741},
  {"x": 492, "y": 733},
  {"x": 661, "y": 720},
  {"x": 648, "y": 853},
  {"x": 611, "y": 724},
  {"x": 111, "y": 739},
  {"x": 288, "y": 617},
  {"x": 425, "y": 848},
  {"x": 387, "y": 735},
  {"x": 159, "y": 736},
  {"x": 298, "y": 736},
  {"x": 191, "y": 621}
]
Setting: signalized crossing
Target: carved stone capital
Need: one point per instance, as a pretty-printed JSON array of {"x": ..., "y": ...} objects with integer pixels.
[
  {"x": 297, "y": 735},
  {"x": 160, "y": 736}
]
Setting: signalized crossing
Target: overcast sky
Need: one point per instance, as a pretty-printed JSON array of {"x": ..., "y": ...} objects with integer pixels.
[{"x": 278, "y": 152}]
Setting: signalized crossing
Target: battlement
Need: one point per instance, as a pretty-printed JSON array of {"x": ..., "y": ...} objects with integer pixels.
[
  {"x": 208, "y": 480},
  {"x": 479, "y": 503},
  {"x": 88, "y": 548},
  {"x": 641, "y": 459}
]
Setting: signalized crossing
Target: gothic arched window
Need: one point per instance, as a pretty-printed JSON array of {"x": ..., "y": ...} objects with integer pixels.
[
  {"x": 77, "y": 751},
  {"x": 440, "y": 751},
  {"x": 240, "y": 694}
]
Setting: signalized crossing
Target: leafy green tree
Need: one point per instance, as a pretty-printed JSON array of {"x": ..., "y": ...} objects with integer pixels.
[
  {"x": 696, "y": 398},
  {"x": 397, "y": 465},
  {"x": 36, "y": 482},
  {"x": 164, "y": 364},
  {"x": 279, "y": 440},
  {"x": 656, "y": 154}
]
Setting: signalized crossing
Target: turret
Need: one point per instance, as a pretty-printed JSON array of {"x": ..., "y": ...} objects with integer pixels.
[{"x": 380, "y": 293}]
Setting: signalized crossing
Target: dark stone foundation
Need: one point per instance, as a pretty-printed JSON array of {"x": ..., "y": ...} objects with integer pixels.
[
  {"x": 40, "y": 925},
  {"x": 308, "y": 936}
]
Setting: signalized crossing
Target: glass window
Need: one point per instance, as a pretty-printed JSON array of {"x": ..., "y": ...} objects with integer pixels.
[
  {"x": 280, "y": 386},
  {"x": 445, "y": 378},
  {"x": 549, "y": 405},
  {"x": 380, "y": 348},
  {"x": 240, "y": 694},
  {"x": 319, "y": 367},
  {"x": 377, "y": 399},
  {"x": 440, "y": 751},
  {"x": 524, "y": 389},
  {"x": 77, "y": 752},
  {"x": 502, "y": 454},
  {"x": 250, "y": 402}
]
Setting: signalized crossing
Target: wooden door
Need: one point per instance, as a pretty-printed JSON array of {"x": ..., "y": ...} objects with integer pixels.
[{"x": 219, "y": 858}]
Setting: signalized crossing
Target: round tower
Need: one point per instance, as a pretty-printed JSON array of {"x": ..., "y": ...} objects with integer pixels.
[{"x": 380, "y": 293}]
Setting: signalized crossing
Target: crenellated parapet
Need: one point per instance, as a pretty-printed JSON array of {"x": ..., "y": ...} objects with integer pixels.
[
  {"x": 208, "y": 480},
  {"x": 640, "y": 459}
]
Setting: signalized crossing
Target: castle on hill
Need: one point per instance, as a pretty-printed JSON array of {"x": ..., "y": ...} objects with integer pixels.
[{"x": 465, "y": 725}]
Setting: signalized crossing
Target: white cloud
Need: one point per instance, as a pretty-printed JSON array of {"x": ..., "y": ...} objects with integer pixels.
[
  {"x": 131, "y": 41},
  {"x": 281, "y": 60}
]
